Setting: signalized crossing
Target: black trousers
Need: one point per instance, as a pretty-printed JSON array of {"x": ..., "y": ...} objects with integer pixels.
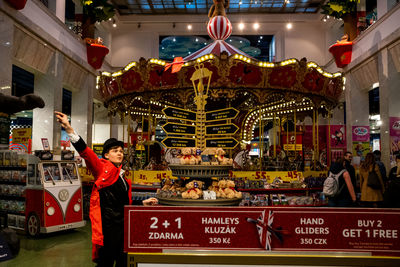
[{"x": 113, "y": 249}]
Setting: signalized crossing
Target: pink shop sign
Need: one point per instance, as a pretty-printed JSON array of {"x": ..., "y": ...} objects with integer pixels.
[
  {"x": 360, "y": 133},
  {"x": 394, "y": 126}
]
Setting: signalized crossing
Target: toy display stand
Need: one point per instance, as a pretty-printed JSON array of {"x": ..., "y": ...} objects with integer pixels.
[{"x": 204, "y": 173}]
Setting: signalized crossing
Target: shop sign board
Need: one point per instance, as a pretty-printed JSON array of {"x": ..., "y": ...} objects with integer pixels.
[
  {"x": 360, "y": 133},
  {"x": 153, "y": 229},
  {"x": 178, "y": 113},
  {"x": 21, "y": 135},
  {"x": 394, "y": 132},
  {"x": 290, "y": 147},
  {"x": 97, "y": 149},
  {"x": 178, "y": 142},
  {"x": 178, "y": 128},
  {"x": 226, "y": 143},
  {"x": 221, "y": 129},
  {"x": 221, "y": 114}
]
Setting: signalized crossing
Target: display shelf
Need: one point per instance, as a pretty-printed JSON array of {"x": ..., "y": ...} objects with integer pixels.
[
  {"x": 12, "y": 197},
  {"x": 13, "y": 182},
  {"x": 13, "y": 212},
  {"x": 138, "y": 187},
  {"x": 200, "y": 171},
  {"x": 199, "y": 202},
  {"x": 12, "y": 168},
  {"x": 279, "y": 189}
]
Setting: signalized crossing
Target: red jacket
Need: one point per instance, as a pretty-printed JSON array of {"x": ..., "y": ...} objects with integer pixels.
[{"x": 105, "y": 174}]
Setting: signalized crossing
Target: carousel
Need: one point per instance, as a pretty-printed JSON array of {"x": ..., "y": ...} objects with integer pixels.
[{"x": 219, "y": 78}]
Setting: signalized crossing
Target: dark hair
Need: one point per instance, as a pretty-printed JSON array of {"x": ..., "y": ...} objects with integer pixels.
[
  {"x": 368, "y": 162},
  {"x": 377, "y": 153},
  {"x": 398, "y": 156},
  {"x": 348, "y": 152},
  {"x": 111, "y": 143}
]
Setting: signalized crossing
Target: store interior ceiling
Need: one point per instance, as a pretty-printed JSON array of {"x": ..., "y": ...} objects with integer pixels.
[{"x": 174, "y": 7}]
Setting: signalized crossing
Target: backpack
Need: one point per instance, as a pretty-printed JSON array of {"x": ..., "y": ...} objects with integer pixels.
[{"x": 331, "y": 184}]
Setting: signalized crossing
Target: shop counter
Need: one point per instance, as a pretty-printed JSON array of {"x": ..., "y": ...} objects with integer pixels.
[{"x": 242, "y": 236}]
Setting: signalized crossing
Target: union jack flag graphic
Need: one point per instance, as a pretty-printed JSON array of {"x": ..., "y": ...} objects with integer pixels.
[{"x": 265, "y": 229}]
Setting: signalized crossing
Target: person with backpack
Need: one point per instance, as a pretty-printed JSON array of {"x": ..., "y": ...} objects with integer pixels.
[
  {"x": 338, "y": 187},
  {"x": 371, "y": 196}
]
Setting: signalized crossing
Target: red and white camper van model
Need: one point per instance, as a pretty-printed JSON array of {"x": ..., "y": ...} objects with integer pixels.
[
  {"x": 39, "y": 196},
  {"x": 54, "y": 201}
]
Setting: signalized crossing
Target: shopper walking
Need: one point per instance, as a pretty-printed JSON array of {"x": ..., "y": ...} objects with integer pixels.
[
  {"x": 391, "y": 197},
  {"x": 111, "y": 192},
  {"x": 348, "y": 156},
  {"x": 395, "y": 171},
  {"x": 382, "y": 168},
  {"x": 346, "y": 196},
  {"x": 370, "y": 196}
]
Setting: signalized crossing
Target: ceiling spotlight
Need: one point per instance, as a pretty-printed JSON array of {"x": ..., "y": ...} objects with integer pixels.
[
  {"x": 139, "y": 25},
  {"x": 289, "y": 26},
  {"x": 240, "y": 2},
  {"x": 114, "y": 25},
  {"x": 173, "y": 25},
  {"x": 189, "y": 27},
  {"x": 324, "y": 19},
  {"x": 241, "y": 26},
  {"x": 256, "y": 26}
]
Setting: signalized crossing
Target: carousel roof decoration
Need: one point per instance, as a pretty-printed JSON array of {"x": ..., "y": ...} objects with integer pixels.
[
  {"x": 219, "y": 28},
  {"x": 238, "y": 80}
]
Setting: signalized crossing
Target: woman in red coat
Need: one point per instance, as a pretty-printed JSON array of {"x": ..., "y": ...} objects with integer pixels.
[{"x": 111, "y": 192}]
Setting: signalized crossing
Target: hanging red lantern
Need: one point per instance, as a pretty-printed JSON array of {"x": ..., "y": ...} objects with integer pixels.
[
  {"x": 17, "y": 4},
  {"x": 96, "y": 52},
  {"x": 342, "y": 51}
]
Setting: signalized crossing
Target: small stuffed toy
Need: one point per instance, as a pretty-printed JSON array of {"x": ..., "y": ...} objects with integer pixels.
[
  {"x": 197, "y": 154},
  {"x": 231, "y": 185},
  {"x": 218, "y": 8},
  {"x": 214, "y": 186},
  {"x": 186, "y": 157},
  {"x": 221, "y": 157},
  {"x": 193, "y": 190},
  {"x": 167, "y": 185},
  {"x": 221, "y": 189},
  {"x": 229, "y": 190}
]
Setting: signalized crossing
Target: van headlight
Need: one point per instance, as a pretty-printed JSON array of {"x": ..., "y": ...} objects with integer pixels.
[
  {"x": 77, "y": 207},
  {"x": 51, "y": 211}
]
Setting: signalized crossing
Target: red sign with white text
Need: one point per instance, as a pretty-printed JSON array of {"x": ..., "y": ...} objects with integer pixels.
[{"x": 152, "y": 229}]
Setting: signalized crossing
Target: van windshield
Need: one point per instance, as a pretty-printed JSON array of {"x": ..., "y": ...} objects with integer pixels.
[
  {"x": 51, "y": 172},
  {"x": 69, "y": 171}
]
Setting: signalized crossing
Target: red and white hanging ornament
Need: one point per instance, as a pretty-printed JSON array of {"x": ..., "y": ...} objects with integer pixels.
[{"x": 219, "y": 28}]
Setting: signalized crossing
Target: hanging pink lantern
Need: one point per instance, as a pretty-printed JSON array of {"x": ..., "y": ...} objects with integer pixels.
[{"x": 219, "y": 28}]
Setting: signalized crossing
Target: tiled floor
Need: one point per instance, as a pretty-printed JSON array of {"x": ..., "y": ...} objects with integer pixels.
[{"x": 62, "y": 249}]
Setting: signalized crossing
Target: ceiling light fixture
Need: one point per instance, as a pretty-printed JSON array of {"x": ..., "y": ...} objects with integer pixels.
[
  {"x": 256, "y": 26},
  {"x": 289, "y": 26},
  {"x": 241, "y": 26},
  {"x": 189, "y": 27}
]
